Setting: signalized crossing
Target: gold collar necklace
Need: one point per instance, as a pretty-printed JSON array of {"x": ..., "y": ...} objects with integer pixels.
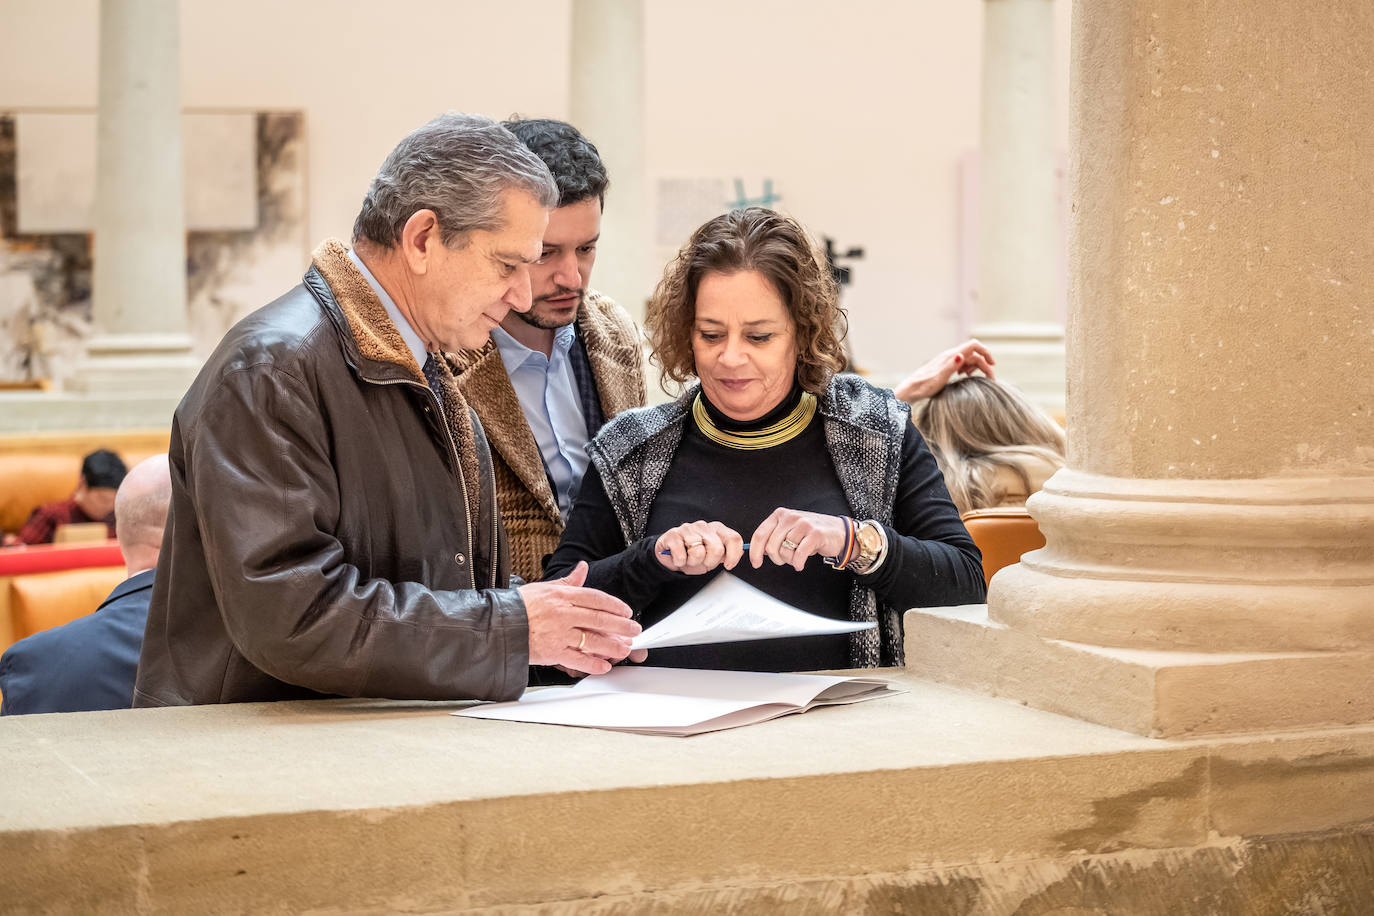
[{"x": 789, "y": 427}]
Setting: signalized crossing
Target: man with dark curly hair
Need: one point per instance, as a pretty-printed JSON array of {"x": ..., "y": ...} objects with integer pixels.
[{"x": 550, "y": 377}]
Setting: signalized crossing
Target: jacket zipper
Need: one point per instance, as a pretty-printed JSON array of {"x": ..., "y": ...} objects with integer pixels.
[
  {"x": 495, "y": 519},
  {"x": 448, "y": 437},
  {"x": 457, "y": 465}
]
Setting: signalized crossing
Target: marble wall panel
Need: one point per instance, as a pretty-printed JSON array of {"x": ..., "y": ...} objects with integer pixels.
[{"x": 246, "y": 239}]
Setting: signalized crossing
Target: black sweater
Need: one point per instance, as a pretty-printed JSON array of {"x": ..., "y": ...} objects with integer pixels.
[{"x": 931, "y": 560}]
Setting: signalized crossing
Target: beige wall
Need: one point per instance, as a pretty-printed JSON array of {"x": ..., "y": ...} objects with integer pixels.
[
  {"x": 306, "y": 54},
  {"x": 860, "y": 113}
]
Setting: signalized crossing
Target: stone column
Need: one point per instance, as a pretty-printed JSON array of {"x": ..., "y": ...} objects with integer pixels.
[
  {"x": 607, "y": 105},
  {"x": 1019, "y": 255},
  {"x": 141, "y": 344},
  {"x": 1210, "y": 556}
]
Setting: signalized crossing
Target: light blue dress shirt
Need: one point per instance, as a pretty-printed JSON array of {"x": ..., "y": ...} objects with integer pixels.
[
  {"x": 413, "y": 341},
  {"x": 548, "y": 396}
]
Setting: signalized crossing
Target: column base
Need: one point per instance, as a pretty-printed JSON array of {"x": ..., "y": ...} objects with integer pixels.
[
  {"x": 1152, "y": 693},
  {"x": 160, "y": 365},
  {"x": 1261, "y": 565},
  {"x": 1031, "y": 357}
]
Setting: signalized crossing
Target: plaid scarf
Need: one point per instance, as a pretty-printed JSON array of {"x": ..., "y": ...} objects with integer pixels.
[{"x": 587, "y": 392}]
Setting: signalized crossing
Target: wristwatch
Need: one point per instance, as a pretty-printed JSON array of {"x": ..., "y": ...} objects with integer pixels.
[{"x": 872, "y": 547}]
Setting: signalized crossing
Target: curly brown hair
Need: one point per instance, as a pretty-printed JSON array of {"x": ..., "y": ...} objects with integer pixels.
[{"x": 777, "y": 247}]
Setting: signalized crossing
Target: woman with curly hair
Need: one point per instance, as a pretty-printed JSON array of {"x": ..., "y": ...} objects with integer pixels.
[{"x": 842, "y": 506}]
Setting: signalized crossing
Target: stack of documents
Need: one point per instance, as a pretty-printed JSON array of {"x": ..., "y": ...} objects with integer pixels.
[
  {"x": 681, "y": 701},
  {"x": 688, "y": 701}
]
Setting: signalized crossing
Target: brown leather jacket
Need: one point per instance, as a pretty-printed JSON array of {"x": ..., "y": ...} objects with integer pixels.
[{"x": 327, "y": 536}]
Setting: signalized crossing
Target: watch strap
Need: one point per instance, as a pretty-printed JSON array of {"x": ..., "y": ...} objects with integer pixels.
[{"x": 871, "y": 555}]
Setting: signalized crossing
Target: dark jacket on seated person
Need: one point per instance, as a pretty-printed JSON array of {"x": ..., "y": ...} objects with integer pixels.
[{"x": 83, "y": 665}]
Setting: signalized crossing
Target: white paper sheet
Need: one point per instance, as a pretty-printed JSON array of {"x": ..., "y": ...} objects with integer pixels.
[
  {"x": 680, "y": 701},
  {"x": 731, "y": 610}
]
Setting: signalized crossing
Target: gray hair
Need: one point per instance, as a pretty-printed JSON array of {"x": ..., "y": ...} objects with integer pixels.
[{"x": 457, "y": 165}]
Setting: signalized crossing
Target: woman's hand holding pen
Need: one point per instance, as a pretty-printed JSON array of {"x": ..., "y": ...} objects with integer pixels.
[{"x": 698, "y": 547}]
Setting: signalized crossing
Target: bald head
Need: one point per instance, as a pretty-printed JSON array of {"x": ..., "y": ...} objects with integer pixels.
[{"x": 141, "y": 512}]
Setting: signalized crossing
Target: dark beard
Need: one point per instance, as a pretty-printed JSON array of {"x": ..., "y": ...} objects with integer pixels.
[{"x": 535, "y": 321}]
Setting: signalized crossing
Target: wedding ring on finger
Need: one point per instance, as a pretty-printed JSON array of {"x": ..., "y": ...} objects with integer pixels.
[
  {"x": 691, "y": 544},
  {"x": 787, "y": 542},
  {"x": 582, "y": 643}
]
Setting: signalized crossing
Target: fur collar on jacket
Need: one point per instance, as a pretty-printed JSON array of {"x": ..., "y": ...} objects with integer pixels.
[{"x": 377, "y": 341}]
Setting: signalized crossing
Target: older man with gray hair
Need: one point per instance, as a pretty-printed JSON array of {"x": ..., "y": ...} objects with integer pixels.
[{"x": 334, "y": 530}]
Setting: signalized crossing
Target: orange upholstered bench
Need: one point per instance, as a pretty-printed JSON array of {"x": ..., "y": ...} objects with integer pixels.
[
  {"x": 1002, "y": 535},
  {"x": 46, "y": 600},
  {"x": 47, "y": 585},
  {"x": 38, "y": 468}
]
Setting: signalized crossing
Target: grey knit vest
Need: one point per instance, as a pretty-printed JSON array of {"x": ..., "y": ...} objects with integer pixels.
[{"x": 864, "y": 429}]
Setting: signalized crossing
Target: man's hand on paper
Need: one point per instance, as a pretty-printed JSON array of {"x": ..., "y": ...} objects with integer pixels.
[
  {"x": 789, "y": 537},
  {"x": 699, "y": 547},
  {"x": 580, "y": 629}
]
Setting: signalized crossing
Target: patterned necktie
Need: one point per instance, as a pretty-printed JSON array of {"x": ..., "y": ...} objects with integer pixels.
[{"x": 436, "y": 384}]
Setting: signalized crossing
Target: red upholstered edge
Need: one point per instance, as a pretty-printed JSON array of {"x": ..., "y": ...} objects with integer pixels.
[{"x": 18, "y": 561}]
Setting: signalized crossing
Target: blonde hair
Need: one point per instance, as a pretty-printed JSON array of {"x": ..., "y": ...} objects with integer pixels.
[{"x": 976, "y": 426}]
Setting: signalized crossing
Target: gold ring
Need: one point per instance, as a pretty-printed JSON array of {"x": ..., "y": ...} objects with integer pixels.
[
  {"x": 788, "y": 544},
  {"x": 582, "y": 643},
  {"x": 691, "y": 544}
]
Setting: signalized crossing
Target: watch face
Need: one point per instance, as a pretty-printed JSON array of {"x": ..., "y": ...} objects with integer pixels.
[
  {"x": 870, "y": 540},
  {"x": 870, "y": 544}
]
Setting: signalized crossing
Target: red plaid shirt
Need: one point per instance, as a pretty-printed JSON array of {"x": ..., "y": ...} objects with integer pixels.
[{"x": 44, "y": 520}]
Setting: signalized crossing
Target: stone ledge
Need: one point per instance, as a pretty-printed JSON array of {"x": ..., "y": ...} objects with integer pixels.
[
  {"x": 375, "y": 806},
  {"x": 1322, "y": 873},
  {"x": 1148, "y": 692},
  {"x": 53, "y": 412}
]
